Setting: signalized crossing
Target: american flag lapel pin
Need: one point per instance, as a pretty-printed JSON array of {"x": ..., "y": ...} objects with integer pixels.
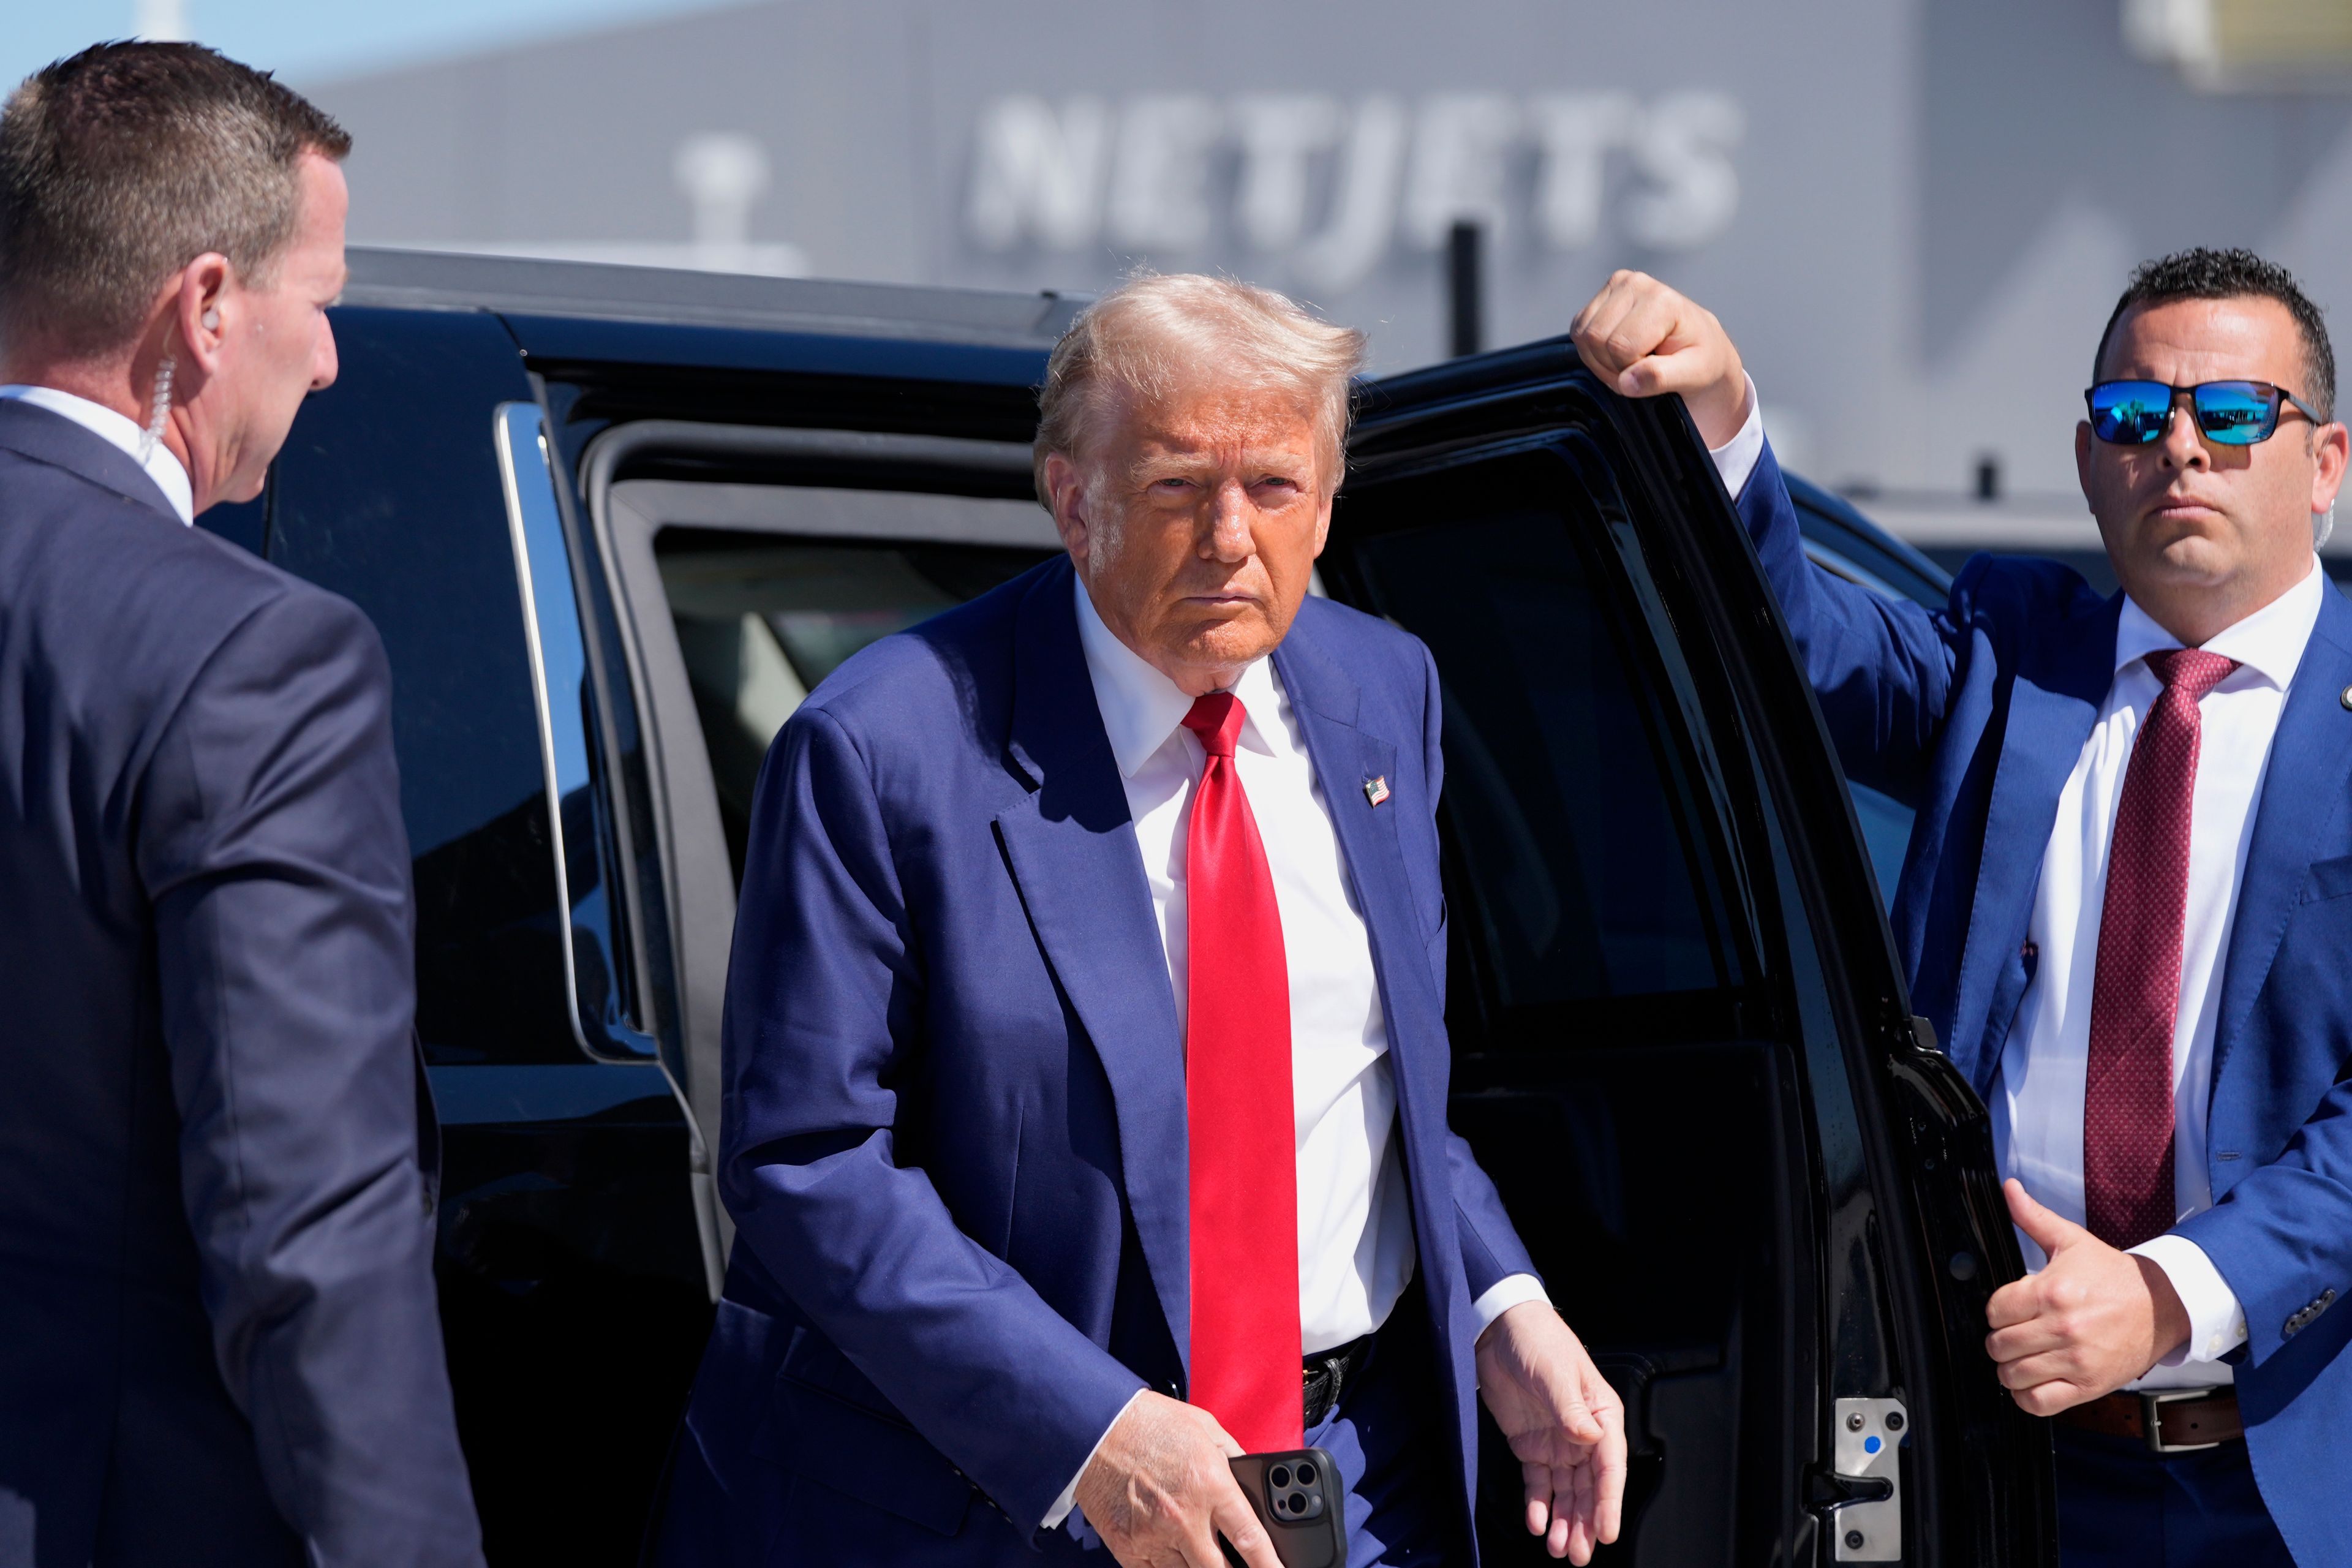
[{"x": 1376, "y": 790}]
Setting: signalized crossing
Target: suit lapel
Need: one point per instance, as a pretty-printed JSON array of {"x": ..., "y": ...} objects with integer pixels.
[
  {"x": 1327, "y": 702},
  {"x": 1072, "y": 849},
  {"x": 2054, "y": 701},
  {"x": 2301, "y": 795}
]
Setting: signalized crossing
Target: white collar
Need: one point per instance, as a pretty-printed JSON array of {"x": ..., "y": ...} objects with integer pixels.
[
  {"x": 1142, "y": 708},
  {"x": 2269, "y": 643},
  {"x": 160, "y": 464}
]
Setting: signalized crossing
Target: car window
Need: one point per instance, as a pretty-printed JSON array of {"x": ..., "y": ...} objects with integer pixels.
[
  {"x": 762, "y": 619},
  {"x": 1571, "y": 788},
  {"x": 388, "y": 493}
]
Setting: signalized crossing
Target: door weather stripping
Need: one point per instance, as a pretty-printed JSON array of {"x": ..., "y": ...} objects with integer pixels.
[{"x": 1869, "y": 1432}]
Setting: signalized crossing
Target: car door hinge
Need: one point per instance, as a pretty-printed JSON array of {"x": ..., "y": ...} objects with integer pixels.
[{"x": 1866, "y": 1525}]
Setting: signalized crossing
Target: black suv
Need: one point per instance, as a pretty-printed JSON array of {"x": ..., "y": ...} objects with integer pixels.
[{"x": 614, "y": 524}]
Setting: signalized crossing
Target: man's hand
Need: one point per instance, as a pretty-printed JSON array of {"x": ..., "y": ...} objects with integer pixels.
[
  {"x": 2091, "y": 1322},
  {"x": 1564, "y": 1422},
  {"x": 1159, "y": 1491},
  {"x": 1645, "y": 340}
]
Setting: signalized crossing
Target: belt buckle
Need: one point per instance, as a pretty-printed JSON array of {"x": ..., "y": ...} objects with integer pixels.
[{"x": 2152, "y": 1401}]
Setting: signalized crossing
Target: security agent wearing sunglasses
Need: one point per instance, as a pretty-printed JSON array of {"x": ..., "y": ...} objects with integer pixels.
[{"x": 2128, "y": 903}]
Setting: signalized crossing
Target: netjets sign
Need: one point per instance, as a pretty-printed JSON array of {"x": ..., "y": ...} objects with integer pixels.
[{"x": 1329, "y": 187}]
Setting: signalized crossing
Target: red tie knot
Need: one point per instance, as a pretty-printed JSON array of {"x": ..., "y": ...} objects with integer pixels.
[
  {"x": 2191, "y": 672},
  {"x": 1217, "y": 719}
]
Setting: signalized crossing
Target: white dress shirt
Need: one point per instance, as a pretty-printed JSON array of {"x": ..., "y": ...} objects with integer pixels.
[
  {"x": 99, "y": 420},
  {"x": 2037, "y": 1103},
  {"x": 1355, "y": 1225},
  {"x": 2037, "y": 1095}
]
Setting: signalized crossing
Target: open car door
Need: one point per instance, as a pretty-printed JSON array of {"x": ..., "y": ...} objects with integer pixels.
[{"x": 1683, "y": 1049}]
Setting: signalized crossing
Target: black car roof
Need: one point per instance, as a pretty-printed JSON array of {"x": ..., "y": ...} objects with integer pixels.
[{"x": 428, "y": 280}]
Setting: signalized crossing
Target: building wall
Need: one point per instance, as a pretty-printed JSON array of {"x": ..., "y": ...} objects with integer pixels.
[{"x": 1914, "y": 214}]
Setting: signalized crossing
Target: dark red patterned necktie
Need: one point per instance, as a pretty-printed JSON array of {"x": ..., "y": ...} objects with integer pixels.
[
  {"x": 2127, "y": 1119},
  {"x": 1237, "y": 1102}
]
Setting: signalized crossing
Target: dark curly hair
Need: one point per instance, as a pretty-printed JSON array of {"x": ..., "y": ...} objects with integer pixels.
[{"x": 2234, "y": 274}]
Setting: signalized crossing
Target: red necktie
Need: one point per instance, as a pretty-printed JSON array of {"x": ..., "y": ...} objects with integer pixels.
[
  {"x": 1243, "y": 1149},
  {"x": 2127, "y": 1121}
]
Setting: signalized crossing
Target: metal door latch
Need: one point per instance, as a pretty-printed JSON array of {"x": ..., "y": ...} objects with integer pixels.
[{"x": 1869, "y": 1431}]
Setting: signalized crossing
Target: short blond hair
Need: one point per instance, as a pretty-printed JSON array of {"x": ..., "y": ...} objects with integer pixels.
[
  {"x": 123, "y": 164},
  {"x": 1151, "y": 332}
]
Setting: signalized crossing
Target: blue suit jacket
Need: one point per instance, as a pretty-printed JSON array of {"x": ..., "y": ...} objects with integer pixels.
[
  {"x": 954, "y": 1133},
  {"x": 218, "y": 1341},
  {"x": 1976, "y": 716}
]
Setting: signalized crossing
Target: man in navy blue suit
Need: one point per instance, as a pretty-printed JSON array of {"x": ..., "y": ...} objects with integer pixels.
[
  {"x": 2124, "y": 907},
  {"x": 218, "y": 1343},
  {"x": 1086, "y": 1058}
]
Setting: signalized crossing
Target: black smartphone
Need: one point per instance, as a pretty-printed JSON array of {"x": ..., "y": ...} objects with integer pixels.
[{"x": 1299, "y": 1500}]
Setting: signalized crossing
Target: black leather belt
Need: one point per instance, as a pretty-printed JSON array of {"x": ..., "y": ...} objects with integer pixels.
[
  {"x": 1326, "y": 1373},
  {"x": 2168, "y": 1420}
]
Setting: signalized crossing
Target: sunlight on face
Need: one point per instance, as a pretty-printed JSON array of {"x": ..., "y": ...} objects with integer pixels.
[
  {"x": 284, "y": 349},
  {"x": 2188, "y": 521},
  {"x": 1195, "y": 520}
]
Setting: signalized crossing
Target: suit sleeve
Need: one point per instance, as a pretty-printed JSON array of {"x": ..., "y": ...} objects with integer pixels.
[
  {"x": 1491, "y": 1250},
  {"x": 823, "y": 1028},
  {"x": 272, "y": 848},
  {"x": 1881, "y": 666},
  {"x": 2284, "y": 1235}
]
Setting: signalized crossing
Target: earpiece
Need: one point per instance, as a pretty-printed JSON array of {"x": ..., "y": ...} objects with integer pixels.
[{"x": 212, "y": 320}]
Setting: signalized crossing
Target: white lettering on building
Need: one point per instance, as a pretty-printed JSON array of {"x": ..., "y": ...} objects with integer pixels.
[{"x": 1331, "y": 187}]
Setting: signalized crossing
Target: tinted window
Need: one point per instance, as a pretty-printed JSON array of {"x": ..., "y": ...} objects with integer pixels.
[
  {"x": 388, "y": 493},
  {"x": 1589, "y": 864},
  {"x": 762, "y": 619}
]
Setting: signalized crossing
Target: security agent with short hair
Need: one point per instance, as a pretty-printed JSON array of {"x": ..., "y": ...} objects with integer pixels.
[
  {"x": 2124, "y": 903},
  {"x": 218, "y": 1339}
]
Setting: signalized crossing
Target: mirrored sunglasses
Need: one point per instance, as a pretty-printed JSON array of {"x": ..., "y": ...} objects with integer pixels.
[{"x": 2229, "y": 412}]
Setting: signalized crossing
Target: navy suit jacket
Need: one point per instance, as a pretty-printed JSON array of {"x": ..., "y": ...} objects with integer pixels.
[
  {"x": 1976, "y": 715},
  {"x": 218, "y": 1341},
  {"x": 953, "y": 1138}
]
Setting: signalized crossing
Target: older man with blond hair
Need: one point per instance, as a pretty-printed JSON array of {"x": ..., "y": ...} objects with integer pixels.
[{"x": 1085, "y": 1054}]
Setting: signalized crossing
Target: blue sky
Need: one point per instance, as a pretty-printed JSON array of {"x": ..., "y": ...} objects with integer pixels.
[{"x": 312, "y": 39}]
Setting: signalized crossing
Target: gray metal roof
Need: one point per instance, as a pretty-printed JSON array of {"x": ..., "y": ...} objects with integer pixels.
[{"x": 428, "y": 280}]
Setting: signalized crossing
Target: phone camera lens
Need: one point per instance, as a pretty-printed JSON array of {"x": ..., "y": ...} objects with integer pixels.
[
  {"x": 1306, "y": 1476},
  {"x": 1279, "y": 1476}
]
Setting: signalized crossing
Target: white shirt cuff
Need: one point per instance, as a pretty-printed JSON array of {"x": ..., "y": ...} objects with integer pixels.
[
  {"x": 1504, "y": 1294},
  {"x": 1069, "y": 1497},
  {"x": 1735, "y": 458},
  {"x": 2217, "y": 1323}
]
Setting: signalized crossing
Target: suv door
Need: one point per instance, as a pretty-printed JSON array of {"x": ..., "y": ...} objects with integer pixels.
[
  {"x": 747, "y": 506},
  {"x": 1683, "y": 1047},
  {"x": 574, "y": 1293}
]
